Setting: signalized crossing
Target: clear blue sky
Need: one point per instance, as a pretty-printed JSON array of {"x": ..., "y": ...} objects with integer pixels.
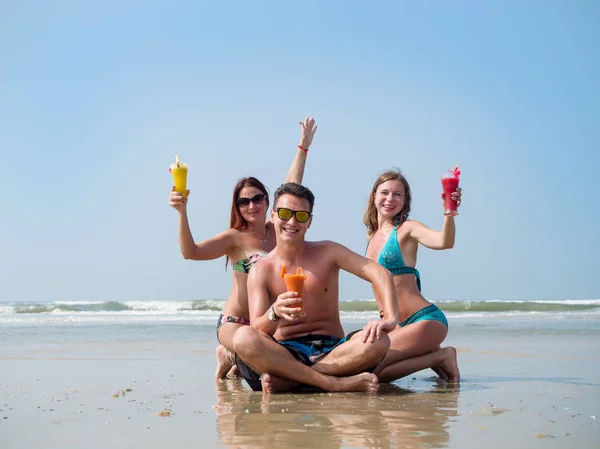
[{"x": 96, "y": 97}]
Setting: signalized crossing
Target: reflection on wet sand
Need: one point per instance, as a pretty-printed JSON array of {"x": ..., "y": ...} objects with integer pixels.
[{"x": 395, "y": 417}]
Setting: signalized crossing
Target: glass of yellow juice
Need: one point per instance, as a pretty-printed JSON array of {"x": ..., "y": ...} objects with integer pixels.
[{"x": 179, "y": 171}]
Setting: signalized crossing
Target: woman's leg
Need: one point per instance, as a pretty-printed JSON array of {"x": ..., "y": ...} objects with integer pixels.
[
  {"x": 412, "y": 349},
  {"x": 224, "y": 352}
]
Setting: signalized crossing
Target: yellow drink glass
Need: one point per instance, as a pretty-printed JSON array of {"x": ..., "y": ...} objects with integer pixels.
[{"x": 179, "y": 172}]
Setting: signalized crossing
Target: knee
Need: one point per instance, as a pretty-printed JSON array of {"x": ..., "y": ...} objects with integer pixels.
[
  {"x": 246, "y": 341},
  {"x": 378, "y": 348},
  {"x": 383, "y": 344}
]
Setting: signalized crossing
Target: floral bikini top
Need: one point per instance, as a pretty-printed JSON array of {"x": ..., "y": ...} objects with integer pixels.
[{"x": 244, "y": 265}]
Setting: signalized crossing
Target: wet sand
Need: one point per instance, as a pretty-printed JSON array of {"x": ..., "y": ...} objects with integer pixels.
[{"x": 539, "y": 392}]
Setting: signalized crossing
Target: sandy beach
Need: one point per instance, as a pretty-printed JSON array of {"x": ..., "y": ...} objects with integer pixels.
[{"x": 522, "y": 386}]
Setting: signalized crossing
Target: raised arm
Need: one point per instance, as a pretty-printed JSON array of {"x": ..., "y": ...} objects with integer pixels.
[
  {"x": 307, "y": 131},
  {"x": 212, "y": 248},
  {"x": 432, "y": 239},
  {"x": 379, "y": 277},
  {"x": 443, "y": 239}
]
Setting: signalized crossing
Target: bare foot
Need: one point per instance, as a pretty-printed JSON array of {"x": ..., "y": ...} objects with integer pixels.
[
  {"x": 364, "y": 382},
  {"x": 440, "y": 372},
  {"x": 234, "y": 373},
  {"x": 448, "y": 364},
  {"x": 273, "y": 384},
  {"x": 223, "y": 362}
]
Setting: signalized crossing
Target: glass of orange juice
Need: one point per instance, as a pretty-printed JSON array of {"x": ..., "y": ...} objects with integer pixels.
[{"x": 294, "y": 282}]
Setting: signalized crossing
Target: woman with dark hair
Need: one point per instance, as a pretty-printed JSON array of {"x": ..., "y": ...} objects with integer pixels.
[
  {"x": 249, "y": 237},
  {"x": 393, "y": 241}
]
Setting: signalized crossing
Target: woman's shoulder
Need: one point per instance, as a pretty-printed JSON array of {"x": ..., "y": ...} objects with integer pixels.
[
  {"x": 234, "y": 239},
  {"x": 407, "y": 226},
  {"x": 231, "y": 233},
  {"x": 242, "y": 239}
]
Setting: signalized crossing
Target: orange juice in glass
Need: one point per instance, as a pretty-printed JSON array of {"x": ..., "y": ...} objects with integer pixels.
[
  {"x": 179, "y": 171},
  {"x": 294, "y": 282}
]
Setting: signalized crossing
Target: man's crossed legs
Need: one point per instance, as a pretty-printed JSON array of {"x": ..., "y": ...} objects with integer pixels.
[{"x": 330, "y": 364}]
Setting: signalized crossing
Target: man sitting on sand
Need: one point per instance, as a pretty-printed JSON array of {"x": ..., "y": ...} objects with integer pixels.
[{"x": 282, "y": 349}]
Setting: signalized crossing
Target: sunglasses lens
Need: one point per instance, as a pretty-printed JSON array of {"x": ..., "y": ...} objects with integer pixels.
[
  {"x": 257, "y": 199},
  {"x": 284, "y": 214},
  {"x": 302, "y": 216}
]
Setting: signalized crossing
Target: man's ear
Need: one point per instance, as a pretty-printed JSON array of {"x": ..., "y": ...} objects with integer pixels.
[
  {"x": 272, "y": 216},
  {"x": 309, "y": 221}
]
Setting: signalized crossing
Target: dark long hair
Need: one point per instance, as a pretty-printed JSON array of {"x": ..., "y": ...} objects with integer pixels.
[
  {"x": 236, "y": 220},
  {"x": 370, "y": 217}
]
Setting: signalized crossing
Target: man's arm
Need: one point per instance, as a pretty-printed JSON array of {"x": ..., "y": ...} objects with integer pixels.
[
  {"x": 382, "y": 279},
  {"x": 384, "y": 288},
  {"x": 259, "y": 301},
  {"x": 378, "y": 276}
]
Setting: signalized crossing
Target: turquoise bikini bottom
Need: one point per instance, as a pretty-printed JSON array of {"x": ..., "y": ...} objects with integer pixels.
[{"x": 429, "y": 313}]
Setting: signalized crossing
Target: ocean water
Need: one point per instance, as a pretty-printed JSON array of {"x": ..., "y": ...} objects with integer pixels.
[
  {"x": 206, "y": 311},
  {"x": 195, "y": 321},
  {"x": 171, "y": 330}
]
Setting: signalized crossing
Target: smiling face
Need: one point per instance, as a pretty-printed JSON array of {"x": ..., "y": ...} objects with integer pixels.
[
  {"x": 255, "y": 210},
  {"x": 290, "y": 230},
  {"x": 389, "y": 199}
]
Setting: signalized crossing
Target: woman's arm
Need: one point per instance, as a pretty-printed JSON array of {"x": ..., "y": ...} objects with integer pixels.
[
  {"x": 443, "y": 239},
  {"x": 307, "y": 131},
  {"x": 212, "y": 248}
]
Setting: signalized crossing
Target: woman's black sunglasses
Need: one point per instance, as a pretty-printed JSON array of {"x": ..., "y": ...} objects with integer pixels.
[
  {"x": 285, "y": 214},
  {"x": 256, "y": 199}
]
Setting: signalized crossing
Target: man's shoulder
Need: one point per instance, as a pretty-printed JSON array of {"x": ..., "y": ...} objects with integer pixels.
[
  {"x": 267, "y": 260},
  {"x": 322, "y": 244},
  {"x": 325, "y": 246},
  {"x": 263, "y": 265}
]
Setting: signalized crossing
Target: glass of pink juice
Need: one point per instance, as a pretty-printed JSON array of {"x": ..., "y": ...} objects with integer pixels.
[{"x": 450, "y": 182}]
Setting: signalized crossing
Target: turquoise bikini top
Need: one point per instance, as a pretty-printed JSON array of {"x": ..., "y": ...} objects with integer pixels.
[
  {"x": 244, "y": 265},
  {"x": 391, "y": 258}
]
